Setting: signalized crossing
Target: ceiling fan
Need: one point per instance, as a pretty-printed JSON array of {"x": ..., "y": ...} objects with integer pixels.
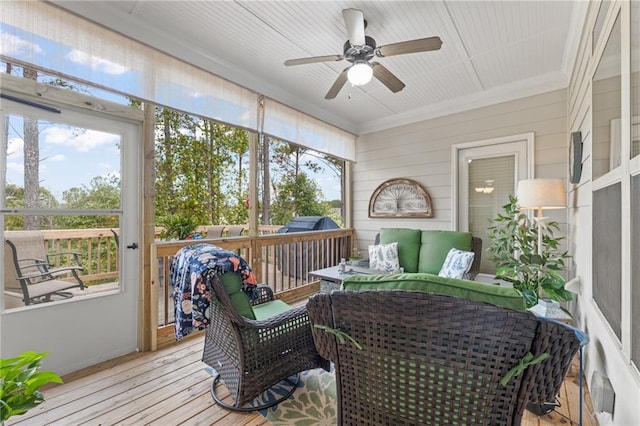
[{"x": 360, "y": 49}]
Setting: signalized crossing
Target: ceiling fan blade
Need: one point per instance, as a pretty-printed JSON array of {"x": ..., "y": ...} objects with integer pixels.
[
  {"x": 337, "y": 85},
  {"x": 411, "y": 46},
  {"x": 354, "y": 21},
  {"x": 387, "y": 78},
  {"x": 313, "y": 59}
]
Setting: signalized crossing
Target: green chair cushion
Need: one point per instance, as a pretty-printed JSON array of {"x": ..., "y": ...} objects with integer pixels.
[
  {"x": 270, "y": 309},
  {"x": 494, "y": 294},
  {"x": 435, "y": 246},
  {"x": 408, "y": 245},
  {"x": 232, "y": 283}
]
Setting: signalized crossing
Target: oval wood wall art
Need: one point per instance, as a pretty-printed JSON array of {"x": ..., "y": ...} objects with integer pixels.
[{"x": 400, "y": 198}]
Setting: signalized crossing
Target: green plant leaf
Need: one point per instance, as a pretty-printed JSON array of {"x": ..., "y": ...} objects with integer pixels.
[
  {"x": 530, "y": 297},
  {"x": 42, "y": 379},
  {"x": 514, "y": 251},
  {"x": 21, "y": 379}
]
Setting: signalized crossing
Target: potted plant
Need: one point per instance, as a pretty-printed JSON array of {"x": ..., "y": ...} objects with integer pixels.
[
  {"x": 20, "y": 381},
  {"x": 514, "y": 251},
  {"x": 178, "y": 226}
]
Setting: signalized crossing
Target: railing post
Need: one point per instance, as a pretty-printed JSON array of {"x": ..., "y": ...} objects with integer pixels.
[{"x": 256, "y": 258}]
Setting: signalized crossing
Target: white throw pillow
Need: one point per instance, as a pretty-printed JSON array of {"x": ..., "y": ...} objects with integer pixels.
[
  {"x": 457, "y": 263},
  {"x": 384, "y": 257}
]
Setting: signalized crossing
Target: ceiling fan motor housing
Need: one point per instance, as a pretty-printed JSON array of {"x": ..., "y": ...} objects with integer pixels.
[{"x": 360, "y": 53}]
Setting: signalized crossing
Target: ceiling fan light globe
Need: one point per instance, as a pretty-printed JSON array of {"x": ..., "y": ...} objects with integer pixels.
[{"x": 360, "y": 74}]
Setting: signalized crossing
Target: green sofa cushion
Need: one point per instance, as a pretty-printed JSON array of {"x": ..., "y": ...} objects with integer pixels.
[
  {"x": 408, "y": 245},
  {"x": 496, "y": 295},
  {"x": 232, "y": 283},
  {"x": 270, "y": 309},
  {"x": 435, "y": 246}
]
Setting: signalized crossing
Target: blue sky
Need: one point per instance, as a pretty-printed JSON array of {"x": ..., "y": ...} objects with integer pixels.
[{"x": 69, "y": 156}]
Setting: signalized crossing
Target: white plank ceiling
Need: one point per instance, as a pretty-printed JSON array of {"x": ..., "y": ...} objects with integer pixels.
[{"x": 492, "y": 50}]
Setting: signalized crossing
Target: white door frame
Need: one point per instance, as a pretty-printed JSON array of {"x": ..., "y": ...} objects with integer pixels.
[
  {"x": 486, "y": 148},
  {"x": 80, "y": 332},
  {"x": 455, "y": 153}
]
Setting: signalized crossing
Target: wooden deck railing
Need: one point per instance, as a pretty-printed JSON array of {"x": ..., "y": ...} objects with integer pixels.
[
  {"x": 99, "y": 249},
  {"x": 97, "y": 246},
  {"x": 283, "y": 261}
]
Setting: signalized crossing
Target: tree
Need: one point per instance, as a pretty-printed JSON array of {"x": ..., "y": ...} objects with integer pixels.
[
  {"x": 31, "y": 163},
  {"x": 295, "y": 193},
  {"x": 299, "y": 197},
  {"x": 200, "y": 170},
  {"x": 101, "y": 193},
  {"x": 15, "y": 199}
]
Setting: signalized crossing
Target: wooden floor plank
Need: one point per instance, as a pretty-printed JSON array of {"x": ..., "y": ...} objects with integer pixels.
[
  {"x": 132, "y": 389},
  {"x": 171, "y": 387},
  {"x": 142, "y": 411}
]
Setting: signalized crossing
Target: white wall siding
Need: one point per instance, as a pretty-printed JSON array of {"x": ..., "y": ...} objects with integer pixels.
[{"x": 422, "y": 151}]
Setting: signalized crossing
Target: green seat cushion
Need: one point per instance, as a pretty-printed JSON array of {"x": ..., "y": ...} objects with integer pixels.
[
  {"x": 435, "y": 246},
  {"x": 408, "y": 245},
  {"x": 270, "y": 309},
  {"x": 496, "y": 295},
  {"x": 233, "y": 286}
]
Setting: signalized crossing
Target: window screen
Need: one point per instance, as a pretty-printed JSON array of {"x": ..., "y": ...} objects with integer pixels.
[{"x": 607, "y": 252}]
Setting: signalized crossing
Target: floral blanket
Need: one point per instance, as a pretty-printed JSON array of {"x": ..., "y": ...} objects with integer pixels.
[{"x": 192, "y": 270}]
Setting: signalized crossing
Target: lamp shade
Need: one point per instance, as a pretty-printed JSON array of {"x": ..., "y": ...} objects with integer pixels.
[{"x": 542, "y": 194}]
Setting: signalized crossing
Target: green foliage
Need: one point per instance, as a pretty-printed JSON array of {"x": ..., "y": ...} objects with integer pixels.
[
  {"x": 177, "y": 226},
  {"x": 295, "y": 194},
  {"x": 201, "y": 169},
  {"x": 297, "y": 197},
  {"x": 514, "y": 250},
  {"x": 101, "y": 193},
  {"x": 15, "y": 199},
  {"x": 20, "y": 381},
  {"x": 334, "y": 213}
]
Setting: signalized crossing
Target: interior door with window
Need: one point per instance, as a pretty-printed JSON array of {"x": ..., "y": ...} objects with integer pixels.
[
  {"x": 487, "y": 173},
  {"x": 70, "y": 184}
]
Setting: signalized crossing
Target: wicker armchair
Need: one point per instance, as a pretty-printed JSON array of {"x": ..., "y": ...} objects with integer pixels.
[
  {"x": 426, "y": 358},
  {"x": 542, "y": 382},
  {"x": 250, "y": 356}
]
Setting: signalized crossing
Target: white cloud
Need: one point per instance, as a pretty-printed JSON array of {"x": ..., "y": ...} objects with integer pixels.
[
  {"x": 15, "y": 148},
  {"x": 58, "y": 158},
  {"x": 12, "y": 45},
  {"x": 81, "y": 140},
  {"x": 16, "y": 167},
  {"x": 96, "y": 63}
]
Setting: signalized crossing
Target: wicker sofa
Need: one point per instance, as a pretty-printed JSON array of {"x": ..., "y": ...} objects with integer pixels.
[{"x": 426, "y": 250}]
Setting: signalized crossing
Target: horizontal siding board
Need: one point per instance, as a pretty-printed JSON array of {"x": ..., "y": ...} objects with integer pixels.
[{"x": 422, "y": 151}]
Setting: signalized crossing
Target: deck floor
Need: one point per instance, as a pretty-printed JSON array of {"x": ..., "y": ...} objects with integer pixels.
[{"x": 170, "y": 387}]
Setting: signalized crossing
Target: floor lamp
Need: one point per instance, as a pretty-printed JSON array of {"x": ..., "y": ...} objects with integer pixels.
[{"x": 541, "y": 194}]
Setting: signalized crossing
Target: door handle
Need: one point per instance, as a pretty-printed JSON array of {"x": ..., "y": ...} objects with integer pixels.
[{"x": 132, "y": 246}]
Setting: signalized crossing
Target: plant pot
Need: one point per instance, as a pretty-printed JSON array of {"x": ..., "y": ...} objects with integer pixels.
[{"x": 550, "y": 309}]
